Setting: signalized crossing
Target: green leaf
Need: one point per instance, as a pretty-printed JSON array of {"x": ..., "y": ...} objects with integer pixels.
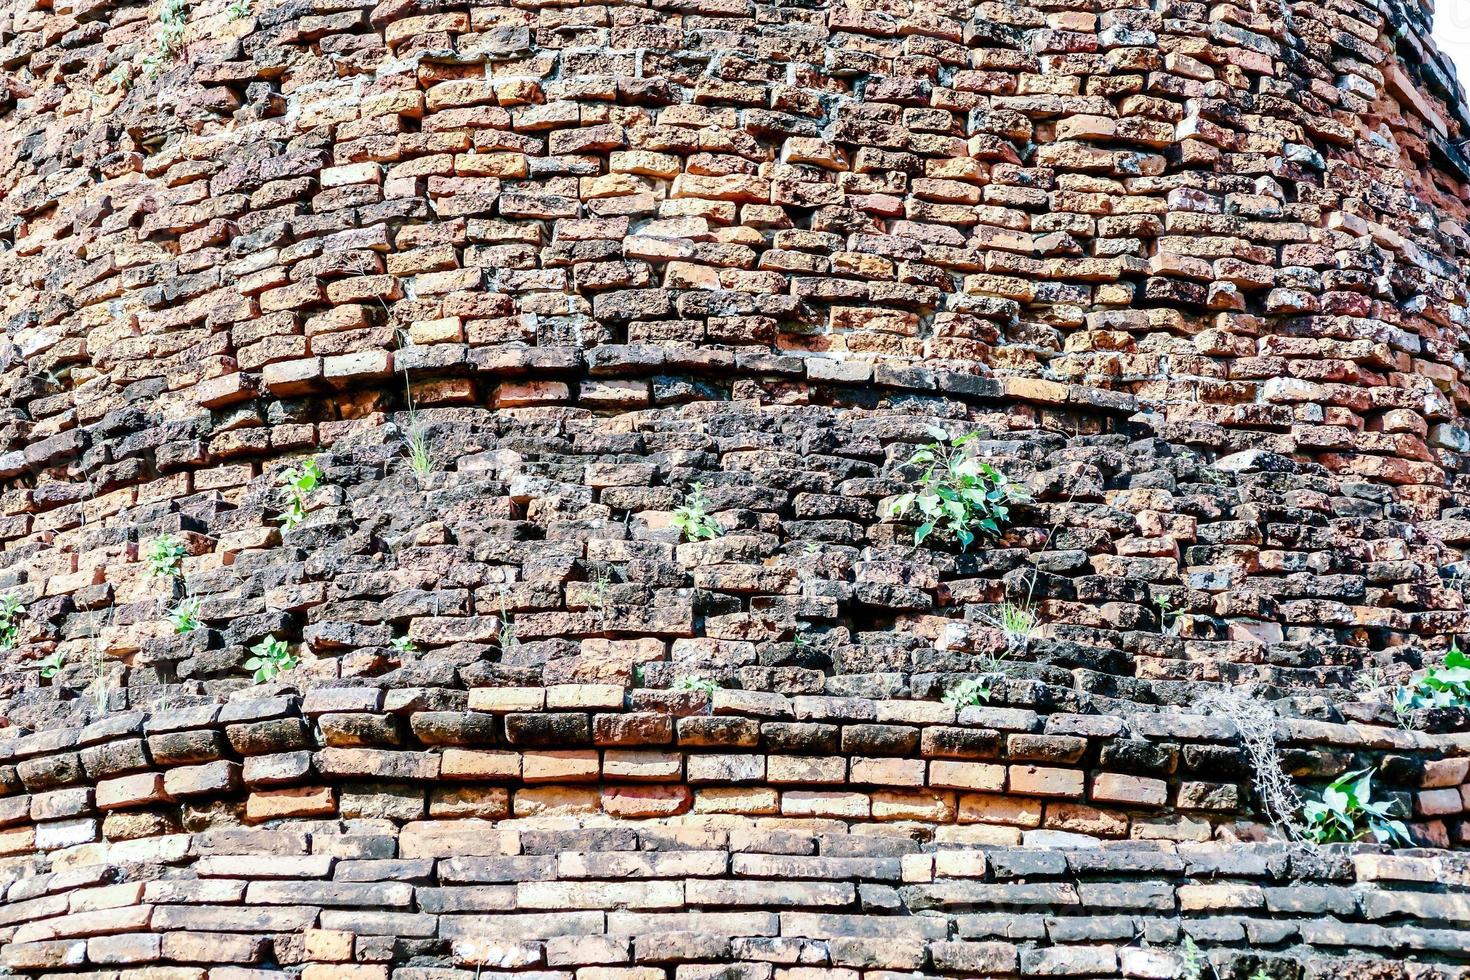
[{"x": 923, "y": 532}]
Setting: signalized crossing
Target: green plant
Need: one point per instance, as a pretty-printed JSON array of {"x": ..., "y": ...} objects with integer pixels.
[
  {"x": 1348, "y": 812},
  {"x": 168, "y": 38},
  {"x": 1440, "y": 687},
  {"x": 1168, "y": 615},
  {"x": 403, "y": 645},
  {"x": 702, "y": 684},
  {"x": 164, "y": 556},
  {"x": 507, "y": 634},
  {"x": 419, "y": 459},
  {"x": 12, "y": 611},
  {"x": 299, "y": 484},
  {"x": 122, "y": 76},
  {"x": 185, "y": 616},
  {"x": 271, "y": 657},
  {"x": 693, "y": 517},
  {"x": 238, "y": 10},
  {"x": 957, "y": 492},
  {"x": 969, "y": 693},
  {"x": 1017, "y": 622},
  {"x": 53, "y": 665},
  {"x": 602, "y": 592},
  {"x": 1192, "y": 962}
]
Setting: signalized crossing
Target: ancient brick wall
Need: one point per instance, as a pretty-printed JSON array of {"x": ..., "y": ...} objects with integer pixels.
[{"x": 522, "y": 279}]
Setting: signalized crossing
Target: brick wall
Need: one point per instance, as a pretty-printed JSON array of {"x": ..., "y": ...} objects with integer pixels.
[{"x": 1192, "y": 272}]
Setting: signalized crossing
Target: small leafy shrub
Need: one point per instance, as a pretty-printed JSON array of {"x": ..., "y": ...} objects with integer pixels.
[
  {"x": 958, "y": 493},
  {"x": 1441, "y": 687},
  {"x": 164, "y": 555},
  {"x": 299, "y": 485},
  {"x": 12, "y": 611},
  {"x": 969, "y": 693},
  {"x": 271, "y": 657},
  {"x": 185, "y": 617},
  {"x": 701, "y": 684},
  {"x": 694, "y": 518},
  {"x": 238, "y": 10},
  {"x": 53, "y": 665},
  {"x": 403, "y": 645},
  {"x": 1347, "y": 812}
]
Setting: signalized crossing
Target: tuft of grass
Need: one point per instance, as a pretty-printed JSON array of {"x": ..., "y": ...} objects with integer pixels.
[
  {"x": 419, "y": 459},
  {"x": 1017, "y": 622}
]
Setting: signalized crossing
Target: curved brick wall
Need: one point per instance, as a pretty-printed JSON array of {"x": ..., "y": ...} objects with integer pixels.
[{"x": 1193, "y": 271}]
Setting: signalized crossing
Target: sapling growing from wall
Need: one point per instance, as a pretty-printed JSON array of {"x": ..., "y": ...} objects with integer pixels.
[
  {"x": 693, "y": 518},
  {"x": 1447, "y": 686},
  {"x": 168, "y": 37},
  {"x": 1348, "y": 812},
  {"x": 957, "y": 492},
  {"x": 184, "y": 617},
  {"x": 299, "y": 484},
  {"x": 163, "y": 556},
  {"x": 271, "y": 657}
]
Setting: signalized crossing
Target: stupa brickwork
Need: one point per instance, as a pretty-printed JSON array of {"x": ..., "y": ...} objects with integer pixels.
[{"x": 528, "y": 285}]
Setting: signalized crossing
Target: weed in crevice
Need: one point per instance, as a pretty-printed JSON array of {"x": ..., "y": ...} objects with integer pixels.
[
  {"x": 271, "y": 657},
  {"x": 1255, "y": 722},
  {"x": 12, "y": 614},
  {"x": 693, "y": 519},
  {"x": 53, "y": 665},
  {"x": 704, "y": 685},
  {"x": 163, "y": 556},
  {"x": 1348, "y": 812},
  {"x": 184, "y": 617},
  {"x": 958, "y": 493},
  {"x": 299, "y": 484}
]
